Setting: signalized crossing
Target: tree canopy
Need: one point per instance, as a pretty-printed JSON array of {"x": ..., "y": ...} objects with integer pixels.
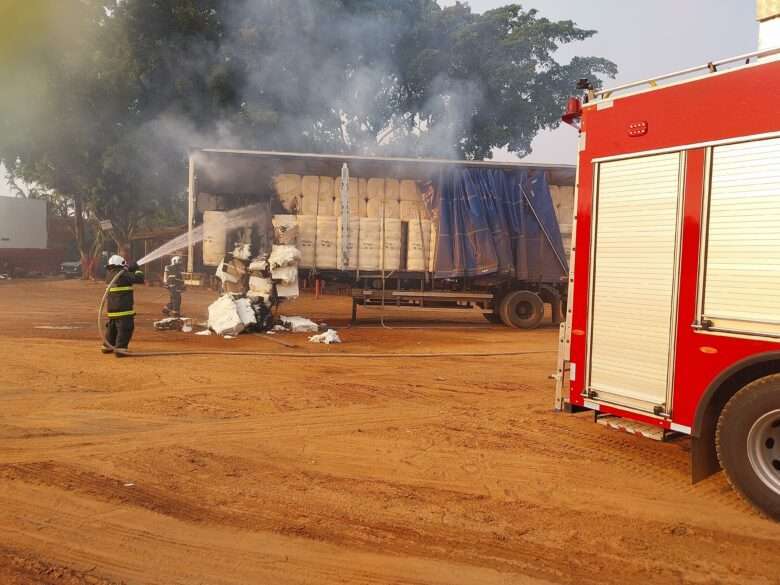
[{"x": 106, "y": 96}]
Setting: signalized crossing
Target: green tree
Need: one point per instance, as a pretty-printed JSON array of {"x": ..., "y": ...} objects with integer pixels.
[{"x": 100, "y": 106}]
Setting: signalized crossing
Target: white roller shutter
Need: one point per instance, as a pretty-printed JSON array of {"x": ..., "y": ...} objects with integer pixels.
[
  {"x": 742, "y": 268},
  {"x": 634, "y": 278}
]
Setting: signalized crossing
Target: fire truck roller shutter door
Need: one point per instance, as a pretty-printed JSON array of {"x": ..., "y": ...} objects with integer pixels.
[
  {"x": 742, "y": 273},
  {"x": 635, "y": 243}
]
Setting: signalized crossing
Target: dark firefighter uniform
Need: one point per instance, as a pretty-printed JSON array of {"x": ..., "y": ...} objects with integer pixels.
[
  {"x": 120, "y": 311},
  {"x": 174, "y": 282}
]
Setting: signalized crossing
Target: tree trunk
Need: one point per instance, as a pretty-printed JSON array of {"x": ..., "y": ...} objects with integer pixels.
[
  {"x": 79, "y": 232},
  {"x": 122, "y": 235}
]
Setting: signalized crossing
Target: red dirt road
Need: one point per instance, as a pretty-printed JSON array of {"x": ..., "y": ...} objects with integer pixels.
[{"x": 249, "y": 470}]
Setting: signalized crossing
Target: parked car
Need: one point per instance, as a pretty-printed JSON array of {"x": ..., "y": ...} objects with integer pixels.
[{"x": 71, "y": 269}]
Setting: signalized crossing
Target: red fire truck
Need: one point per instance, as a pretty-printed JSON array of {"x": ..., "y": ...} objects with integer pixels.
[{"x": 673, "y": 319}]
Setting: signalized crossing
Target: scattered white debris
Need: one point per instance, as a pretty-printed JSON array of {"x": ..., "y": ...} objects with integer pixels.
[
  {"x": 129, "y": 484},
  {"x": 204, "y": 332},
  {"x": 298, "y": 324},
  {"x": 169, "y": 324},
  {"x": 224, "y": 318},
  {"x": 330, "y": 336},
  {"x": 284, "y": 255}
]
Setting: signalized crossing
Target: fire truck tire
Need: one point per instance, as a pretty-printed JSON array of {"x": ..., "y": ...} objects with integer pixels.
[
  {"x": 748, "y": 443},
  {"x": 521, "y": 309}
]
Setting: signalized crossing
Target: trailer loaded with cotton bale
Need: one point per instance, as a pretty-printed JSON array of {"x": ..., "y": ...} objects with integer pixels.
[{"x": 404, "y": 234}]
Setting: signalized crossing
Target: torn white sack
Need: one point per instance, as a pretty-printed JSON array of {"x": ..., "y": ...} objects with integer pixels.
[
  {"x": 299, "y": 324},
  {"x": 330, "y": 336}
]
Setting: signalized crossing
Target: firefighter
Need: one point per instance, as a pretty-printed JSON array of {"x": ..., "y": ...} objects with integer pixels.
[
  {"x": 174, "y": 282},
  {"x": 121, "y": 315}
]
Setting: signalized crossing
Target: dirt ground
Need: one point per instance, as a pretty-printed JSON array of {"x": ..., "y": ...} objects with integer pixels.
[{"x": 252, "y": 470}]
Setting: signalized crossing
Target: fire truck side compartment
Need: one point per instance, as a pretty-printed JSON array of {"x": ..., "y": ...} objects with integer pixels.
[{"x": 700, "y": 119}]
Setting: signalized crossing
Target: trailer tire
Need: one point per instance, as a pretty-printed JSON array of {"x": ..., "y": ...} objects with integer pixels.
[
  {"x": 493, "y": 317},
  {"x": 747, "y": 440},
  {"x": 521, "y": 309}
]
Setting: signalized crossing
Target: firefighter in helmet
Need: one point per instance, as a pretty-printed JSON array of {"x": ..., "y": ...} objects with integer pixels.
[
  {"x": 174, "y": 282},
  {"x": 121, "y": 315}
]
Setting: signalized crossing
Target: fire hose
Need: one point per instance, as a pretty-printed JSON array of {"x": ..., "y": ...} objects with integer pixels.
[{"x": 276, "y": 354}]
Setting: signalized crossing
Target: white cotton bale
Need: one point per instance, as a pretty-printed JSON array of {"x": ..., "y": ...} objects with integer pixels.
[
  {"x": 391, "y": 242},
  {"x": 327, "y": 242},
  {"x": 245, "y": 312},
  {"x": 369, "y": 243},
  {"x": 327, "y": 202},
  {"x": 285, "y": 229},
  {"x": 214, "y": 237},
  {"x": 288, "y": 190},
  {"x": 307, "y": 234},
  {"x": 418, "y": 245},
  {"x": 410, "y": 210},
  {"x": 288, "y": 291},
  {"x": 409, "y": 191},
  {"x": 310, "y": 186},
  {"x": 285, "y": 274},
  {"x": 363, "y": 207},
  {"x": 259, "y": 286},
  {"x": 353, "y": 241},
  {"x": 224, "y": 318},
  {"x": 374, "y": 208},
  {"x": 392, "y": 209},
  {"x": 375, "y": 188},
  {"x": 284, "y": 255},
  {"x": 563, "y": 201},
  {"x": 392, "y": 190}
]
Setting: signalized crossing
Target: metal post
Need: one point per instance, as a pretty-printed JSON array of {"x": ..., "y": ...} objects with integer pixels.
[
  {"x": 191, "y": 215},
  {"x": 345, "y": 235}
]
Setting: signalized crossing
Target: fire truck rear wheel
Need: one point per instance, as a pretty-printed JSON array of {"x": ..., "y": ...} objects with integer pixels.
[
  {"x": 521, "y": 309},
  {"x": 748, "y": 443}
]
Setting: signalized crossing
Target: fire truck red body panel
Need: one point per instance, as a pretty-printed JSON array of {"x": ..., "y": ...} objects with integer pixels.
[{"x": 688, "y": 116}]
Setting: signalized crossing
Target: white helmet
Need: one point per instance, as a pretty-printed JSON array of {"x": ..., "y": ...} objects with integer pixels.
[
  {"x": 117, "y": 260},
  {"x": 176, "y": 260}
]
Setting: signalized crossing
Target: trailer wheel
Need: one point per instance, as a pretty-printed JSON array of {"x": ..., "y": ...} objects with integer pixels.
[
  {"x": 492, "y": 317},
  {"x": 521, "y": 309},
  {"x": 748, "y": 443}
]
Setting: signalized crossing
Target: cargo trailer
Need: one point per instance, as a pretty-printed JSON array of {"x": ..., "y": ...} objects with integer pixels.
[{"x": 404, "y": 234}]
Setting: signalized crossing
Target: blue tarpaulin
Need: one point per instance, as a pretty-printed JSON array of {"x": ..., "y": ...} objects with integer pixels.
[{"x": 493, "y": 221}]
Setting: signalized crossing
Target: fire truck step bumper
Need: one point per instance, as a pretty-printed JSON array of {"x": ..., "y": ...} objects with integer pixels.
[{"x": 633, "y": 427}]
